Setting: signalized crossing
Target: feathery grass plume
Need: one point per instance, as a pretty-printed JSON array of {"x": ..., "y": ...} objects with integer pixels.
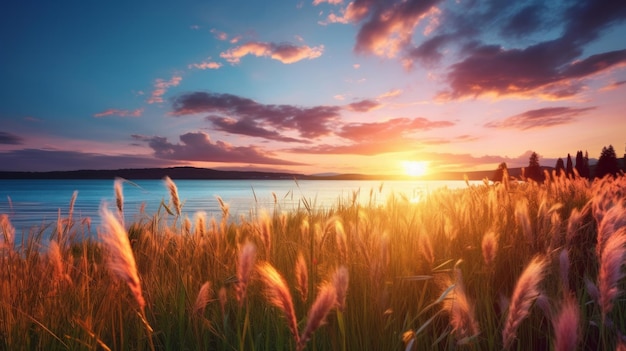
[
  {"x": 408, "y": 338},
  {"x": 200, "y": 227},
  {"x": 304, "y": 229},
  {"x": 8, "y": 232},
  {"x": 340, "y": 281},
  {"x": 489, "y": 247},
  {"x": 119, "y": 195},
  {"x": 427, "y": 248},
  {"x": 223, "y": 206},
  {"x": 247, "y": 256},
  {"x": 173, "y": 194},
  {"x": 461, "y": 310},
  {"x": 612, "y": 220},
  {"x": 121, "y": 260},
  {"x": 203, "y": 298},
  {"x": 56, "y": 261},
  {"x": 340, "y": 239},
  {"x": 72, "y": 203},
  {"x": 265, "y": 231},
  {"x": 564, "y": 269},
  {"x": 223, "y": 297},
  {"x": 325, "y": 301},
  {"x": 525, "y": 292},
  {"x": 523, "y": 219},
  {"x": 278, "y": 294},
  {"x": 610, "y": 272},
  {"x": 302, "y": 277},
  {"x": 186, "y": 225},
  {"x": 566, "y": 326}
]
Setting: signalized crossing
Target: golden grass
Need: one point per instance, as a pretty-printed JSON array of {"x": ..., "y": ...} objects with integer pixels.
[{"x": 515, "y": 265}]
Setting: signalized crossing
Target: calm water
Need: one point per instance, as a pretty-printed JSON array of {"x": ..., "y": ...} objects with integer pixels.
[{"x": 35, "y": 202}]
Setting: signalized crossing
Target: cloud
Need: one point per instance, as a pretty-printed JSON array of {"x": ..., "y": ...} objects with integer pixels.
[
  {"x": 10, "y": 139},
  {"x": 61, "y": 160},
  {"x": 284, "y": 52},
  {"x": 205, "y": 65},
  {"x": 551, "y": 68},
  {"x": 377, "y": 138},
  {"x": 388, "y": 25},
  {"x": 363, "y": 105},
  {"x": 122, "y": 113},
  {"x": 540, "y": 118},
  {"x": 613, "y": 85},
  {"x": 160, "y": 88},
  {"x": 308, "y": 122},
  {"x": 332, "y": 2},
  {"x": 197, "y": 146},
  {"x": 389, "y": 130},
  {"x": 390, "y": 93},
  {"x": 247, "y": 127},
  {"x": 366, "y": 148},
  {"x": 539, "y": 69},
  {"x": 219, "y": 35}
]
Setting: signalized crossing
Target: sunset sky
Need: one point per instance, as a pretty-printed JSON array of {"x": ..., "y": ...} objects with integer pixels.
[{"x": 309, "y": 86}]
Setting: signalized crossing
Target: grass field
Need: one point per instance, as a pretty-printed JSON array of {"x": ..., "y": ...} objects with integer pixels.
[{"x": 515, "y": 265}]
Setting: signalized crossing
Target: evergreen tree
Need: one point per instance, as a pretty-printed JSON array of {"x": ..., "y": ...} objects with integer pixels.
[
  {"x": 607, "y": 163},
  {"x": 498, "y": 174},
  {"x": 533, "y": 171},
  {"x": 569, "y": 168},
  {"x": 582, "y": 164},
  {"x": 586, "y": 169},
  {"x": 560, "y": 167}
]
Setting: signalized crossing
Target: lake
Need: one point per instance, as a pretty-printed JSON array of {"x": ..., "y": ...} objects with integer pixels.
[{"x": 36, "y": 202}]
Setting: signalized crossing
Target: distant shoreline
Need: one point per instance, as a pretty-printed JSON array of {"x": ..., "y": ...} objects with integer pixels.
[{"x": 213, "y": 174}]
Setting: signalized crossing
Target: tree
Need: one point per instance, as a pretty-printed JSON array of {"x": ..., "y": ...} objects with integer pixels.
[
  {"x": 569, "y": 170},
  {"x": 533, "y": 171},
  {"x": 582, "y": 164},
  {"x": 499, "y": 173},
  {"x": 607, "y": 163},
  {"x": 560, "y": 167}
]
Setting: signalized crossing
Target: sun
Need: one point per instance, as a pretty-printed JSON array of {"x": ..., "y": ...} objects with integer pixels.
[{"x": 415, "y": 168}]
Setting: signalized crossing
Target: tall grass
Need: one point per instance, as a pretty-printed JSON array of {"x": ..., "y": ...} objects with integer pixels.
[{"x": 515, "y": 265}]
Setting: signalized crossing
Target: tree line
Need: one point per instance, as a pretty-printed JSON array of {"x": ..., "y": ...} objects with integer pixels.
[{"x": 608, "y": 163}]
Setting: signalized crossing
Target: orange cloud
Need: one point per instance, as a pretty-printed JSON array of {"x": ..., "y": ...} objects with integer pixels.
[
  {"x": 285, "y": 53},
  {"x": 160, "y": 88},
  {"x": 122, "y": 113}
]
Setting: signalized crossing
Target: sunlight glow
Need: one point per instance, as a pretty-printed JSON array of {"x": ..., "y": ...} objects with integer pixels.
[{"x": 415, "y": 168}]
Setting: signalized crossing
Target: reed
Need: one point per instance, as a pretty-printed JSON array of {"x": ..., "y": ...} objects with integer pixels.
[
  {"x": 380, "y": 270},
  {"x": 525, "y": 292}
]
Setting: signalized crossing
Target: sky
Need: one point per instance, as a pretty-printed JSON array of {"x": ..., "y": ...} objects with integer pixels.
[{"x": 315, "y": 86}]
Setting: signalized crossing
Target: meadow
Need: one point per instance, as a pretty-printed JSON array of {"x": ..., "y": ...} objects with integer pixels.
[{"x": 514, "y": 265}]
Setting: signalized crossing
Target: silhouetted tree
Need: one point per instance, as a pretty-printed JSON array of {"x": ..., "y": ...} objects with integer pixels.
[
  {"x": 569, "y": 170},
  {"x": 533, "y": 171},
  {"x": 560, "y": 167},
  {"x": 607, "y": 163},
  {"x": 498, "y": 174},
  {"x": 582, "y": 164}
]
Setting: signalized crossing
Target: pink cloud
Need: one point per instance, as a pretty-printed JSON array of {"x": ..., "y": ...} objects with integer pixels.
[
  {"x": 239, "y": 115},
  {"x": 160, "y": 88},
  {"x": 285, "y": 53},
  {"x": 122, "y": 113},
  {"x": 540, "y": 118},
  {"x": 392, "y": 129},
  {"x": 198, "y": 146},
  {"x": 388, "y": 28},
  {"x": 219, "y": 34},
  {"x": 332, "y": 2},
  {"x": 205, "y": 65},
  {"x": 363, "y": 105}
]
